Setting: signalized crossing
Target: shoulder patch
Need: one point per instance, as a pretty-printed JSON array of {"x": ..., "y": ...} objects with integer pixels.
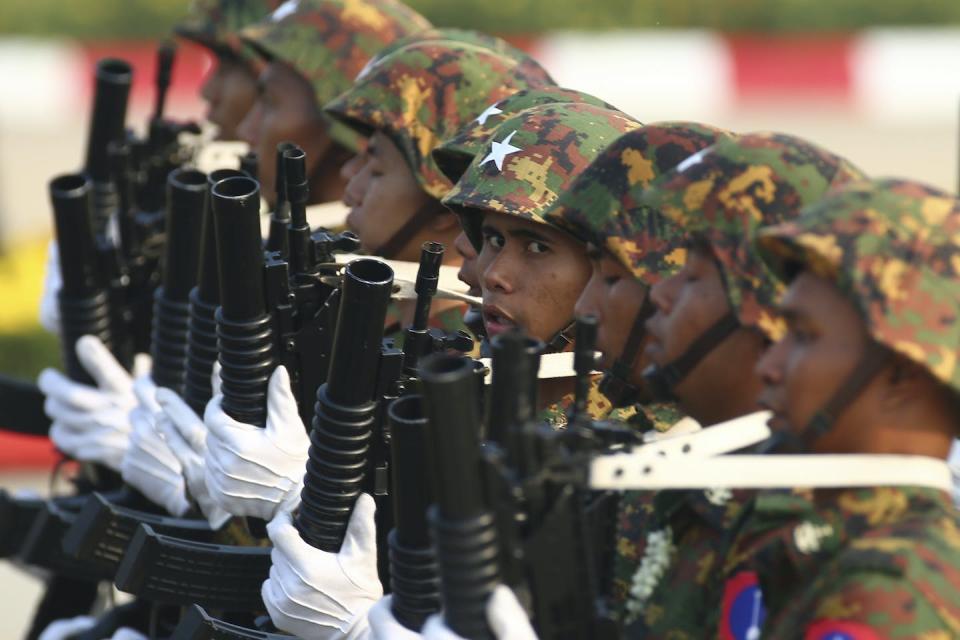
[
  {"x": 743, "y": 610},
  {"x": 840, "y": 630}
]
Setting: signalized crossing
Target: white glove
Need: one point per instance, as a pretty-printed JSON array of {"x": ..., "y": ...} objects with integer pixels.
[
  {"x": 252, "y": 471},
  {"x": 317, "y": 595},
  {"x": 67, "y": 627},
  {"x": 186, "y": 437},
  {"x": 383, "y": 626},
  {"x": 52, "y": 283},
  {"x": 90, "y": 423},
  {"x": 149, "y": 465},
  {"x": 126, "y": 633},
  {"x": 506, "y": 618},
  {"x": 954, "y": 462}
]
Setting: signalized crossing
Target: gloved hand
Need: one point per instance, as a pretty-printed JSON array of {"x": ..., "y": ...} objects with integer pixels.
[
  {"x": 91, "y": 423},
  {"x": 506, "y": 618},
  {"x": 318, "y": 595},
  {"x": 149, "y": 465},
  {"x": 252, "y": 471},
  {"x": 52, "y": 283},
  {"x": 67, "y": 628},
  {"x": 186, "y": 437},
  {"x": 383, "y": 626}
]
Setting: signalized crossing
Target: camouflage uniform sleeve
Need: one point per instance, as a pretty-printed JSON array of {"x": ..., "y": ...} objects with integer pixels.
[{"x": 879, "y": 604}]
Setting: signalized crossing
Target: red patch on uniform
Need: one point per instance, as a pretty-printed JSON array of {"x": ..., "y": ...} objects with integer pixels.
[
  {"x": 743, "y": 611},
  {"x": 840, "y": 630}
]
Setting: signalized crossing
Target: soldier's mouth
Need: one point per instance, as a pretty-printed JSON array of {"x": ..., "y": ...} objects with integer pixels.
[{"x": 496, "y": 320}]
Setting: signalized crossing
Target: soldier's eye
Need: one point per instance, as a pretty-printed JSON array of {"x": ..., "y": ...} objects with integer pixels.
[
  {"x": 537, "y": 247},
  {"x": 495, "y": 240},
  {"x": 611, "y": 280}
]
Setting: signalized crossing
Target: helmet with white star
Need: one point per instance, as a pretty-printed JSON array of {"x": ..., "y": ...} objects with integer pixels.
[
  {"x": 530, "y": 159},
  {"x": 454, "y": 155},
  {"x": 423, "y": 93}
]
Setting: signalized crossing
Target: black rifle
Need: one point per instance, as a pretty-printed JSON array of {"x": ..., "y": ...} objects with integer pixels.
[
  {"x": 530, "y": 488},
  {"x": 463, "y": 527}
]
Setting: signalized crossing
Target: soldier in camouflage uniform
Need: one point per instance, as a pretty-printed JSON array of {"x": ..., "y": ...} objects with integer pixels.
[
  {"x": 532, "y": 272},
  {"x": 230, "y": 88},
  {"x": 713, "y": 318},
  {"x": 601, "y": 208},
  {"x": 453, "y": 157},
  {"x": 868, "y": 365},
  {"x": 313, "y": 50},
  {"x": 405, "y": 103}
]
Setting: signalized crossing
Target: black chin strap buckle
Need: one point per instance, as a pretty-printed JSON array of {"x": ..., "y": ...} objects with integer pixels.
[{"x": 561, "y": 340}]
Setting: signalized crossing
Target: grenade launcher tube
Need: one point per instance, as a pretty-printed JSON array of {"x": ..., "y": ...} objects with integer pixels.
[
  {"x": 340, "y": 440},
  {"x": 244, "y": 331}
]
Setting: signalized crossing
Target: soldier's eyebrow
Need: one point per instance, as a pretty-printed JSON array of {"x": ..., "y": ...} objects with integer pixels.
[
  {"x": 528, "y": 234},
  {"x": 791, "y": 315}
]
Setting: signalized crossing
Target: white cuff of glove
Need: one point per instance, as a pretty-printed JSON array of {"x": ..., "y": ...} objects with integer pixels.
[
  {"x": 253, "y": 471},
  {"x": 318, "y": 595},
  {"x": 384, "y": 626},
  {"x": 149, "y": 465},
  {"x": 186, "y": 436},
  {"x": 505, "y": 615},
  {"x": 52, "y": 283},
  {"x": 67, "y": 627}
]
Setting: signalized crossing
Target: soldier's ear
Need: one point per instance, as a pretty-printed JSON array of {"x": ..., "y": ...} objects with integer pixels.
[
  {"x": 904, "y": 382},
  {"x": 444, "y": 221}
]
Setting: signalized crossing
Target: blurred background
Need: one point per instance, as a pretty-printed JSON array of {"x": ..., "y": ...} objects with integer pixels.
[{"x": 877, "y": 82}]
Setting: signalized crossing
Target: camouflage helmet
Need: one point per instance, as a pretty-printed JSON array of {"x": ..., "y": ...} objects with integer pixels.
[
  {"x": 423, "y": 93},
  {"x": 453, "y": 156},
  {"x": 893, "y": 249},
  {"x": 216, "y": 24},
  {"x": 601, "y": 206},
  {"x": 526, "y": 64},
  {"x": 530, "y": 159},
  {"x": 328, "y": 42},
  {"x": 725, "y": 192}
]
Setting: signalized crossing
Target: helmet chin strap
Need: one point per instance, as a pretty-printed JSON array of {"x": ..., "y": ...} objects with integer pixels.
[
  {"x": 615, "y": 384},
  {"x": 417, "y": 222},
  {"x": 871, "y": 361},
  {"x": 662, "y": 380},
  {"x": 561, "y": 339}
]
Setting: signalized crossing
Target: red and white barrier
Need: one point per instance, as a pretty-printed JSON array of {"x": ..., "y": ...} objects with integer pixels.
[{"x": 889, "y": 75}]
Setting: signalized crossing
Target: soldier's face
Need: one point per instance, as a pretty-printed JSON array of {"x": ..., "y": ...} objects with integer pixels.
[
  {"x": 383, "y": 195},
  {"x": 530, "y": 275},
  {"x": 468, "y": 268},
  {"x": 824, "y": 341},
  {"x": 614, "y": 297},
  {"x": 230, "y": 89},
  {"x": 722, "y": 385},
  {"x": 285, "y": 110}
]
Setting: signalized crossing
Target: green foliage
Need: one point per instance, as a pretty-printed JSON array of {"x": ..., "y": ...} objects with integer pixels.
[
  {"x": 152, "y": 18},
  {"x": 24, "y": 354}
]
